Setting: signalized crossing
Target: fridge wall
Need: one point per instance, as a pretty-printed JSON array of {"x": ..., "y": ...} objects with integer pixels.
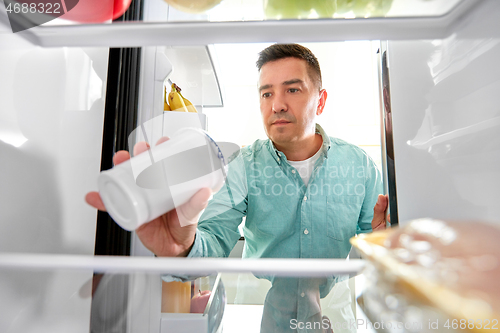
[
  {"x": 446, "y": 119},
  {"x": 51, "y": 118}
]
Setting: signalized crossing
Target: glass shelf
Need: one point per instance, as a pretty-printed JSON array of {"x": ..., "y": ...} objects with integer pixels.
[
  {"x": 255, "y": 10},
  {"x": 118, "y": 264},
  {"x": 121, "y": 294},
  {"x": 260, "y": 10},
  {"x": 245, "y": 21}
]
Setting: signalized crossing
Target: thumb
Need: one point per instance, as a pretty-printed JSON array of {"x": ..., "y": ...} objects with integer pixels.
[
  {"x": 189, "y": 212},
  {"x": 381, "y": 205},
  {"x": 379, "y": 211}
]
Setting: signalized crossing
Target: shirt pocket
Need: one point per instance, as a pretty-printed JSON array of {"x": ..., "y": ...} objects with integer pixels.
[{"x": 342, "y": 214}]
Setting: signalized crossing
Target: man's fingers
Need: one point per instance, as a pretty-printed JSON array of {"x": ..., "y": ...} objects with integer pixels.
[
  {"x": 140, "y": 147},
  {"x": 162, "y": 139},
  {"x": 190, "y": 211},
  {"x": 94, "y": 199},
  {"x": 120, "y": 157}
]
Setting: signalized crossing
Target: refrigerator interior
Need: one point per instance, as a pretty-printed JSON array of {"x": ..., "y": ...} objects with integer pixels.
[{"x": 443, "y": 99}]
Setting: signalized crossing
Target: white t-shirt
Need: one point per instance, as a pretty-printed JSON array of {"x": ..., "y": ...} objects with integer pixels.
[{"x": 306, "y": 167}]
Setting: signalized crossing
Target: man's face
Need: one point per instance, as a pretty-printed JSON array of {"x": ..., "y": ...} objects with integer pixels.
[{"x": 289, "y": 101}]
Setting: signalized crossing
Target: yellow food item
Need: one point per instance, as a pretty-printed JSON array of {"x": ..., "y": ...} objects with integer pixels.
[
  {"x": 188, "y": 104},
  {"x": 166, "y": 107},
  {"x": 175, "y": 100}
]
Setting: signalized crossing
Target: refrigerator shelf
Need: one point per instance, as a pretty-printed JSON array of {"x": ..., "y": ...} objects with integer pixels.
[
  {"x": 137, "y": 34},
  {"x": 202, "y": 266}
]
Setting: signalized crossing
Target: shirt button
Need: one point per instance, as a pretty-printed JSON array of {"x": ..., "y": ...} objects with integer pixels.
[
  {"x": 293, "y": 171},
  {"x": 305, "y": 198},
  {"x": 302, "y": 295},
  {"x": 306, "y": 231}
]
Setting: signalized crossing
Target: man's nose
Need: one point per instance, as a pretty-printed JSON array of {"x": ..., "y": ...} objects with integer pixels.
[{"x": 279, "y": 104}]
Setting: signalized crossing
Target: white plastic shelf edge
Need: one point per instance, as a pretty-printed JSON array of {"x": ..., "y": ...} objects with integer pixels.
[{"x": 204, "y": 266}]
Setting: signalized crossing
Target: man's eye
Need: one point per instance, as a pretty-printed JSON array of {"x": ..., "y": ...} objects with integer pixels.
[
  {"x": 266, "y": 95},
  {"x": 293, "y": 90}
]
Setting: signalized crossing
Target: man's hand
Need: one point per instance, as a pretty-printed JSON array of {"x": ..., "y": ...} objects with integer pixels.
[
  {"x": 379, "y": 213},
  {"x": 164, "y": 236}
]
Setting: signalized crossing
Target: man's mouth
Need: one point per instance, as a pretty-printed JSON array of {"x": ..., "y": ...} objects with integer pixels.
[{"x": 280, "y": 122}]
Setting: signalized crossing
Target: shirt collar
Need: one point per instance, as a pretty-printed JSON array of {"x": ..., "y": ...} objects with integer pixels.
[
  {"x": 326, "y": 139},
  {"x": 279, "y": 156}
]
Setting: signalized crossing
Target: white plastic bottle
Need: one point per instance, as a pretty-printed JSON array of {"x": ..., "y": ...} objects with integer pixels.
[{"x": 162, "y": 178}]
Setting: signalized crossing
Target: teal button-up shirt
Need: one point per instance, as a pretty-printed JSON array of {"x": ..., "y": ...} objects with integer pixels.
[{"x": 285, "y": 218}]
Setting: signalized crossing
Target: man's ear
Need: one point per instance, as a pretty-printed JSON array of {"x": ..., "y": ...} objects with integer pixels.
[{"x": 321, "y": 101}]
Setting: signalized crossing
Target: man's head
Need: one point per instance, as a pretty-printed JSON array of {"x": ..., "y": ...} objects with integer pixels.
[
  {"x": 290, "y": 96},
  {"x": 281, "y": 51}
]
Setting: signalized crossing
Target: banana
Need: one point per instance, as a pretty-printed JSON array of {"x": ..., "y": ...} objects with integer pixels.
[
  {"x": 189, "y": 105},
  {"x": 166, "y": 107},
  {"x": 175, "y": 100}
]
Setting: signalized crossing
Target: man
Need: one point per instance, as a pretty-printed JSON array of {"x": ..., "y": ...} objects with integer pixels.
[{"x": 303, "y": 193}]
